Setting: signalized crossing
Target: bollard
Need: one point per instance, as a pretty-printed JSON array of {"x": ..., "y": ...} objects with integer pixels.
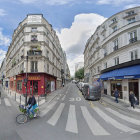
[
  {"x": 15, "y": 96},
  {"x": 20, "y": 99},
  {"x": 38, "y": 100}
]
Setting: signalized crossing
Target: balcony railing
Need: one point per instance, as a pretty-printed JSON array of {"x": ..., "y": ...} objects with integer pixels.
[
  {"x": 130, "y": 15},
  {"x": 34, "y": 53},
  {"x": 34, "y": 40},
  {"x": 132, "y": 40},
  {"x": 34, "y": 70}
]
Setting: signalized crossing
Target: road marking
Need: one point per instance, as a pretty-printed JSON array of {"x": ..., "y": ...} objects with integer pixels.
[
  {"x": 126, "y": 118},
  {"x": 72, "y": 122},
  {"x": 113, "y": 122},
  {"x": 53, "y": 120},
  {"x": 49, "y": 107},
  {"x": 7, "y": 103},
  {"x": 94, "y": 126},
  {"x": 63, "y": 97}
]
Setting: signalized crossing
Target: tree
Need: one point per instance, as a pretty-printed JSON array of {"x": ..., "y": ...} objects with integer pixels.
[{"x": 79, "y": 74}]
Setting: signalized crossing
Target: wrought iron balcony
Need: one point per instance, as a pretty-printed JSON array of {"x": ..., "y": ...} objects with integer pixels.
[
  {"x": 34, "y": 52},
  {"x": 34, "y": 70},
  {"x": 132, "y": 40}
]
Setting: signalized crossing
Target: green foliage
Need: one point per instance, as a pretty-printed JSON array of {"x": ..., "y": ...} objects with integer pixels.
[{"x": 79, "y": 74}]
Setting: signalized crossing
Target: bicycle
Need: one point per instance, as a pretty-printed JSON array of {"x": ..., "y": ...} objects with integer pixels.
[{"x": 24, "y": 117}]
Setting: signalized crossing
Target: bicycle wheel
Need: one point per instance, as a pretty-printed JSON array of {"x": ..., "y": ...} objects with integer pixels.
[{"x": 21, "y": 118}]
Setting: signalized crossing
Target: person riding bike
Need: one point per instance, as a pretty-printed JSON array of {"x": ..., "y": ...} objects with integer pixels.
[{"x": 32, "y": 105}]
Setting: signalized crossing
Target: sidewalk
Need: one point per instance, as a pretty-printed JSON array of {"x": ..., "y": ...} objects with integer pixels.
[
  {"x": 121, "y": 105},
  {"x": 20, "y": 99}
]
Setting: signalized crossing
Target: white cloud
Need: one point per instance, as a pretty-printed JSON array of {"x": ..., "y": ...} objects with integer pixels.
[
  {"x": 131, "y": 6},
  {"x": 4, "y": 40},
  {"x": 2, "y": 12},
  {"x": 2, "y": 55},
  {"x": 73, "y": 39},
  {"x": 49, "y": 2},
  {"x": 115, "y": 2},
  {"x": 28, "y": 1}
]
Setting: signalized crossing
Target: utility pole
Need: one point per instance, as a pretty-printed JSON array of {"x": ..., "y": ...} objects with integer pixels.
[{"x": 26, "y": 80}]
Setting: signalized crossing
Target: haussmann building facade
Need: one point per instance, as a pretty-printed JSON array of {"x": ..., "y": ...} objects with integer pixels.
[
  {"x": 35, "y": 54},
  {"x": 112, "y": 54}
]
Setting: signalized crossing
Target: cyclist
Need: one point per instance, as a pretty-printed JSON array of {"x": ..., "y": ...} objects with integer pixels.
[{"x": 32, "y": 105}]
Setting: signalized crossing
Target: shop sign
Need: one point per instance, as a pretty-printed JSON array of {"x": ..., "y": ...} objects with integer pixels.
[
  {"x": 128, "y": 77},
  {"x": 111, "y": 78},
  {"x": 33, "y": 78}
]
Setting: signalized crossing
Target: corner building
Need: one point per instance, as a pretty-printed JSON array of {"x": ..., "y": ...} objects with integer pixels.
[
  {"x": 112, "y": 54},
  {"x": 35, "y": 52}
]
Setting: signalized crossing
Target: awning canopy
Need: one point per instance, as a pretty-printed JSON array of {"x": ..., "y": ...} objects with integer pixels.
[{"x": 123, "y": 73}]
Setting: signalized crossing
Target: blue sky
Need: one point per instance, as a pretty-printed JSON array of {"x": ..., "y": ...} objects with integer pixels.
[{"x": 74, "y": 20}]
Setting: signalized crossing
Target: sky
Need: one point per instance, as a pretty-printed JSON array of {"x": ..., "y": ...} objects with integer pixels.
[{"x": 74, "y": 21}]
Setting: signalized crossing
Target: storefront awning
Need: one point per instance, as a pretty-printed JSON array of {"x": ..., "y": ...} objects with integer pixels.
[{"x": 123, "y": 73}]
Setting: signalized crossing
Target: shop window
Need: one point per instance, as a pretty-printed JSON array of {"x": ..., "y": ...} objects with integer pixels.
[
  {"x": 116, "y": 84},
  {"x": 19, "y": 85}
]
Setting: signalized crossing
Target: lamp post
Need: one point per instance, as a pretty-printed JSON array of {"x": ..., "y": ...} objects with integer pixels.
[{"x": 26, "y": 81}]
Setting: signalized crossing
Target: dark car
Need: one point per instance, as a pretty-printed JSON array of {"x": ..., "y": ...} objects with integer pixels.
[{"x": 91, "y": 92}]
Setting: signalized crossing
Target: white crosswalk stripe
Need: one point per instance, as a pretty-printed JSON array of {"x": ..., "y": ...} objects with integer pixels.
[
  {"x": 113, "y": 122},
  {"x": 71, "y": 125},
  {"x": 48, "y": 108},
  {"x": 94, "y": 126},
  {"x": 53, "y": 120},
  {"x": 63, "y": 97},
  {"x": 126, "y": 118},
  {"x": 7, "y": 103}
]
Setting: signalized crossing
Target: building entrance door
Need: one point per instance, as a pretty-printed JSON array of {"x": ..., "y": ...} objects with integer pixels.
[
  {"x": 35, "y": 87},
  {"x": 133, "y": 86},
  {"x": 116, "y": 84}
]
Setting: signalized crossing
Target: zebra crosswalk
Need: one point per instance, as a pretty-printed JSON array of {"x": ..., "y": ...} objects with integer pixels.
[{"x": 93, "y": 123}]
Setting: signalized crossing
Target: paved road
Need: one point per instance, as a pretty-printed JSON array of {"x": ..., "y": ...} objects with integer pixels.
[{"x": 68, "y": 117}]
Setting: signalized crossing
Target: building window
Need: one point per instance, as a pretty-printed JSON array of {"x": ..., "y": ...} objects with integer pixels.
[
  {"x": 34, "y": 29},
  {"x": 99, "y": 69},
  {"x": 105, "y": 65},
  {"x": 47, "y": 54},
  {"x": 133, "y": 37},
  {"x": 114, "y": 28},
  {"x": 131, "y": 20},
  {"x": 134, "y": 55},
  {"x": 115, "y": 44},
  {"x": 130, "y": 13},
  {"x": 34, "y": 66},
  {"x": 34, "y": 38},
  {"x": 48, "y": 68},
  {"x": 114, "y": 20},
  {"x": 116, "y": 60}
]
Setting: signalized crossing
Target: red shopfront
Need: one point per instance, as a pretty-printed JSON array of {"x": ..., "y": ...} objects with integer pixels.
[{"x": 38, "y": 84}]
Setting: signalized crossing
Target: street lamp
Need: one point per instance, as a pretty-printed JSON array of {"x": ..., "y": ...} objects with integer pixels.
[{"x": 26, "y": 81}]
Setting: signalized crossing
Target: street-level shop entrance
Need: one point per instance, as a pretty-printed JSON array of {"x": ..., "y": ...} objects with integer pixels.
[
  {"x": 116, "y": 84},
  {"x": 133, "y": 86}
]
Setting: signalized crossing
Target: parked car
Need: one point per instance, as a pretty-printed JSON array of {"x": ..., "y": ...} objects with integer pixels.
[
  {"x": 91, "y": 92},
  {"x": 82, "y": 86}
]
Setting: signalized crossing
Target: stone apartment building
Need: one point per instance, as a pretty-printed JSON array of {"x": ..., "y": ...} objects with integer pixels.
[
  {"x": 35, "y": 54},
  {"x": 112, "y": 54}
]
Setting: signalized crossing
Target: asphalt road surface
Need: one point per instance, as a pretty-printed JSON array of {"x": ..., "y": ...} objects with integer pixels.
[{"x": 69, "y": 117}]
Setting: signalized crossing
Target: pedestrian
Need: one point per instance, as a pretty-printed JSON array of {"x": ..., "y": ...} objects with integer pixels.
[
  {"x": 116, "y": 95},
  {"x": 132, "y": 99}
]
